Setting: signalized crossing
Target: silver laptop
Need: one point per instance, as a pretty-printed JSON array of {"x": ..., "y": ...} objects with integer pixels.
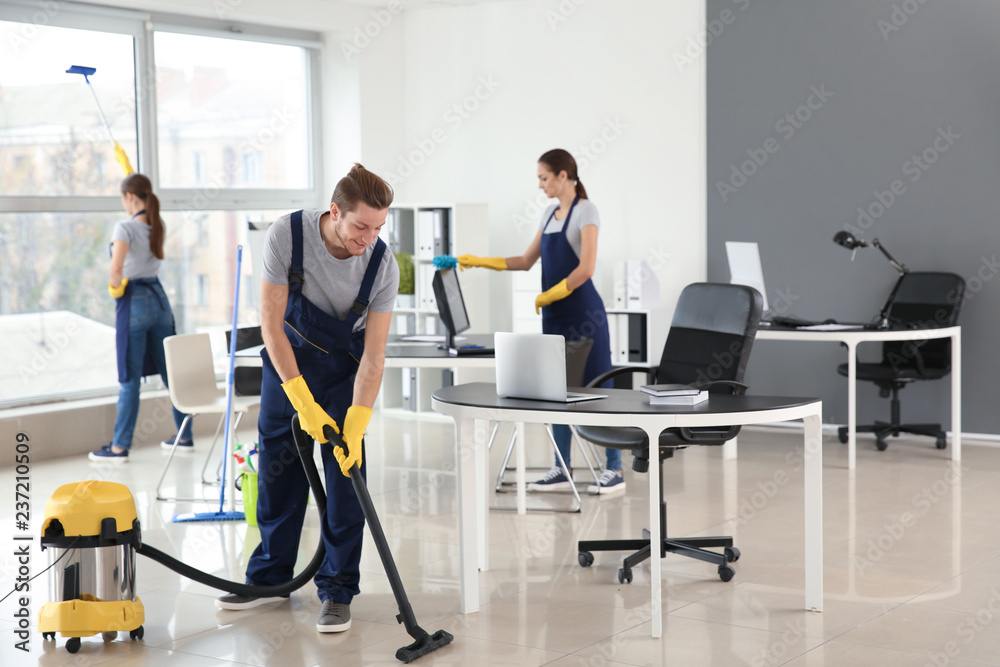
[{"x": 533, "y": 366}]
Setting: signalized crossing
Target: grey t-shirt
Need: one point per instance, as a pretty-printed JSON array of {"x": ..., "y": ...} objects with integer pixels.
[
  {"x": 329, "y": 283},
  {"x": 584, "y": 213},
  {"x": 140, "y": 262}
]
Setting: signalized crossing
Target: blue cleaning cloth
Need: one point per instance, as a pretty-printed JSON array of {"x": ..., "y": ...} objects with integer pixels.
[{"x": 445, "y": 262}]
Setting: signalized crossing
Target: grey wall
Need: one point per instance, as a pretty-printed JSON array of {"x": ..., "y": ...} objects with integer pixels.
[{"x": 893, "y": 94}]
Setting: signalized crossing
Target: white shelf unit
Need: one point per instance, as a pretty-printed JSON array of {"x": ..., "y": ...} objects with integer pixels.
[{"x": 425, "y": 231}]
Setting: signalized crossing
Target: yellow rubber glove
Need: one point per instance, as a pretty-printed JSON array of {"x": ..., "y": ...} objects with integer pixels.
[
  {"x": 495, "y": 263},
  {"x": 551, "y": 295},
  {"x": 118, "y": 292},
  {"x": 312, "y": 417},
  {"x": 355, "y": 423},
  {"x": 122, "y": 158}
]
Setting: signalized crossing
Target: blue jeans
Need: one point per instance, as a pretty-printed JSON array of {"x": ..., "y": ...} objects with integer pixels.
[
  {"x": 150, "y": 321},
  {"x": 564, "y": 438}
]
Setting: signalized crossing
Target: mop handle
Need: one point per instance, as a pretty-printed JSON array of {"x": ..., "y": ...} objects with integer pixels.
[
  {"x": 100, "y": 111},
  {"x": 230, "y": 377}
]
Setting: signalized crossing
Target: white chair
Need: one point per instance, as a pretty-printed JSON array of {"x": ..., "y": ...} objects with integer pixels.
[{"x": 193, "y": 390}]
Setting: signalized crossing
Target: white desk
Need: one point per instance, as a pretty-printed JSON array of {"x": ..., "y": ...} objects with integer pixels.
[
  {"x": 853, "y": 337},
  {"x": 473, "y": 404}
]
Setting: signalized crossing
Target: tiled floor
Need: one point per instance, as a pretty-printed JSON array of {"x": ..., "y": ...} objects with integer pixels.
[{"x": 912, "y": 565}]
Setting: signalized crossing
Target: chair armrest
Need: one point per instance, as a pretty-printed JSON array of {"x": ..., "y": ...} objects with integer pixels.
[
  {"x": 738, "y": 387},
  {"x": 615, "y": 372}
]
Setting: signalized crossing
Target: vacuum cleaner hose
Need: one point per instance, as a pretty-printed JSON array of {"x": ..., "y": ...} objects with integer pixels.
[{"x": 251, "y": 590}]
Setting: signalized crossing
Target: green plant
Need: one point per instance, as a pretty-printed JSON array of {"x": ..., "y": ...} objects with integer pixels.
[{"x": 406, "y": 278}]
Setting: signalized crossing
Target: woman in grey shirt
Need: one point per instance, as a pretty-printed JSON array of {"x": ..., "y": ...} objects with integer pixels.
[{"x": 143, "y": 316}]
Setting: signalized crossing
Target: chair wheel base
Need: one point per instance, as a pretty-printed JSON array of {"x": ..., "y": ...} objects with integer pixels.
[
  {"x": 585, "y": 558},
  {"x": 881, "y": 444},
  {"x": 941, "y": 443},
  {"x": 726, "y": 573},
  {"x": 732, "y": 554},
  {"x": 625, "y": 575}
]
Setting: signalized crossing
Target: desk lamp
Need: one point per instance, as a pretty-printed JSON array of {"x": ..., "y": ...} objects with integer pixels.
[{"x": 846, "y": 239}]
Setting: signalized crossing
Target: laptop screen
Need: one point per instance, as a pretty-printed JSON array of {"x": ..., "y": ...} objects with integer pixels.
[{"x": 530, "y": 365}]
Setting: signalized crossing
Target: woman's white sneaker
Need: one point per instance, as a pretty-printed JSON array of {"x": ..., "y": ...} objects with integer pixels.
[{"x": 611, "y": 481}]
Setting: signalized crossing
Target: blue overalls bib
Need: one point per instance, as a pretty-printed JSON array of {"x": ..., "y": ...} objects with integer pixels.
[
  {"x": 328, "y": 352},
  {"x": 579, "y": 315}
]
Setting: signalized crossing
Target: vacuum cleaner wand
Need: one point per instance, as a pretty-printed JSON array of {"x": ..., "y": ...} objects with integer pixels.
[{"x": 425, "y": 642}]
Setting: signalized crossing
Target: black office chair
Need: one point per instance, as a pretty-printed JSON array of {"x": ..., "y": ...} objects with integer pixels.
[
  {"x": 708, "y": 345},
  {"x": 920, "y": 300}
]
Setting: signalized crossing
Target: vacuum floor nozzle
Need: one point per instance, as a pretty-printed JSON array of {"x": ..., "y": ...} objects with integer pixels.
[{"x": 423, "y": 646}]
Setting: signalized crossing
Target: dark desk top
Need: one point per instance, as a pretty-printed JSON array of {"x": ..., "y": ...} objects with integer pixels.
[
  {"x": 618, "y": 401},
  {"x": 395, "y": 347}
]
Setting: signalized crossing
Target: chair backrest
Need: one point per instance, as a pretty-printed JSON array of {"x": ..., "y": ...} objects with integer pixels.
[
  {"x": 711, "y": 335},
  {"x": 577, "y": 353},
  {"x": 924, "y": 300},
  {"x": 190, "y": 370}
]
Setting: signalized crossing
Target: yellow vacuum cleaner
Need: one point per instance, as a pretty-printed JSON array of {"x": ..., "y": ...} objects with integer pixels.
[{"x": 92, "y": 531}]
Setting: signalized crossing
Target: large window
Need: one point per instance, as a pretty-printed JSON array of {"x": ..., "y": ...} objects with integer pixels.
[
  {"x": 222, "y": 121},
  {"x": 239, "y": 105},
  {"x": 52, "y": 138}
]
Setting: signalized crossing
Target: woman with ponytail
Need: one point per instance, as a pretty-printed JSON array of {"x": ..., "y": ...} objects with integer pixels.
[
  {"x": 143, "y": 316},
  {"x": 566, "y": 242}
]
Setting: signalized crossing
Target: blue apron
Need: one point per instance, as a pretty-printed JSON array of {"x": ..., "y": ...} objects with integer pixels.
[
  {"x": 328, "y": 352},
  {"x": 123, "y": 310},
  {"x": 581, "y": 314}
]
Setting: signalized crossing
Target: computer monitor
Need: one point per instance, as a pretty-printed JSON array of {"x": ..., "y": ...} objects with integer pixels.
[
  {"x": 451, "y": 305},
  {"x": 744, "y": 266}
]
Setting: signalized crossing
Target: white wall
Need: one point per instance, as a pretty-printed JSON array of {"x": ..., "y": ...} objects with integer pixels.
[{"x": 596, "y": 78}]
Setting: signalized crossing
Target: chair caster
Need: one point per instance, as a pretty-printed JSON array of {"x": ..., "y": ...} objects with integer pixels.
[
  {"x": 625, "y": 575},
  {"x": 73, "y": 644},
  {"x": 941, "y": 443},
  {"x": 881, "y": 444},
  {"x": 732, "y": 554},
  {"x": 842, "y": 435},
  {"x": 137, "y": 633},
  {"x": 585, "y": 558},
  {"x": 726, "y": 573}
]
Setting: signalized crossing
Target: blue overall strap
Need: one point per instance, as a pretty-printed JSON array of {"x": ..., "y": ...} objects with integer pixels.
[
  {"x": 295, "y": 272},
  {"x": 566, "y": 219},
  {"x": 362, "y": 300}
]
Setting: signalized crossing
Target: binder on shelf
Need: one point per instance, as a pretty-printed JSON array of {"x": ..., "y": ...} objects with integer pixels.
[
  {"x": 426, "y": 221},
  {"x": 441, "y": 233},
  {"x": 425, "y": 274},
  {"x": 409, "y": 389}
]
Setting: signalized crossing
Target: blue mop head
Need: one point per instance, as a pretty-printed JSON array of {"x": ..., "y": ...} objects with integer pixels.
[
  {"x": 209, "y": 516},
  {"x": 80, "y": 69},
  {"x": 445, "y": 262}
]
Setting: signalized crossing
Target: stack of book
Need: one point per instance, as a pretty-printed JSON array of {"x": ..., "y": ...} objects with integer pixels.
[{"x": 674, "y": 394}]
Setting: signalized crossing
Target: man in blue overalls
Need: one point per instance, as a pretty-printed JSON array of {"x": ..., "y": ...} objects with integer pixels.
[{"x": 327, "y": 294}]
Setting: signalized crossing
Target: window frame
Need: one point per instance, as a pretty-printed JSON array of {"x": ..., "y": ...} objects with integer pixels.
[{"x": 142, "y": 26}]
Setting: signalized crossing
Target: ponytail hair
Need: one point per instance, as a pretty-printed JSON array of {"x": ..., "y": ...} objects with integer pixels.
[
  {"x": 559, "y": 160},
  {"x": 139, "y": 185}
]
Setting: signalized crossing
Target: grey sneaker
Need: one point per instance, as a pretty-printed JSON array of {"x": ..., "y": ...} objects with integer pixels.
[
  {"x": 235, "y": 602},
  {"x": 334, "y": 617}
]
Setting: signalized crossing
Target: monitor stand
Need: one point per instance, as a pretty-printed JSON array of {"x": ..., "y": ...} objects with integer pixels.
[{"x": 449, "y": 340}]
